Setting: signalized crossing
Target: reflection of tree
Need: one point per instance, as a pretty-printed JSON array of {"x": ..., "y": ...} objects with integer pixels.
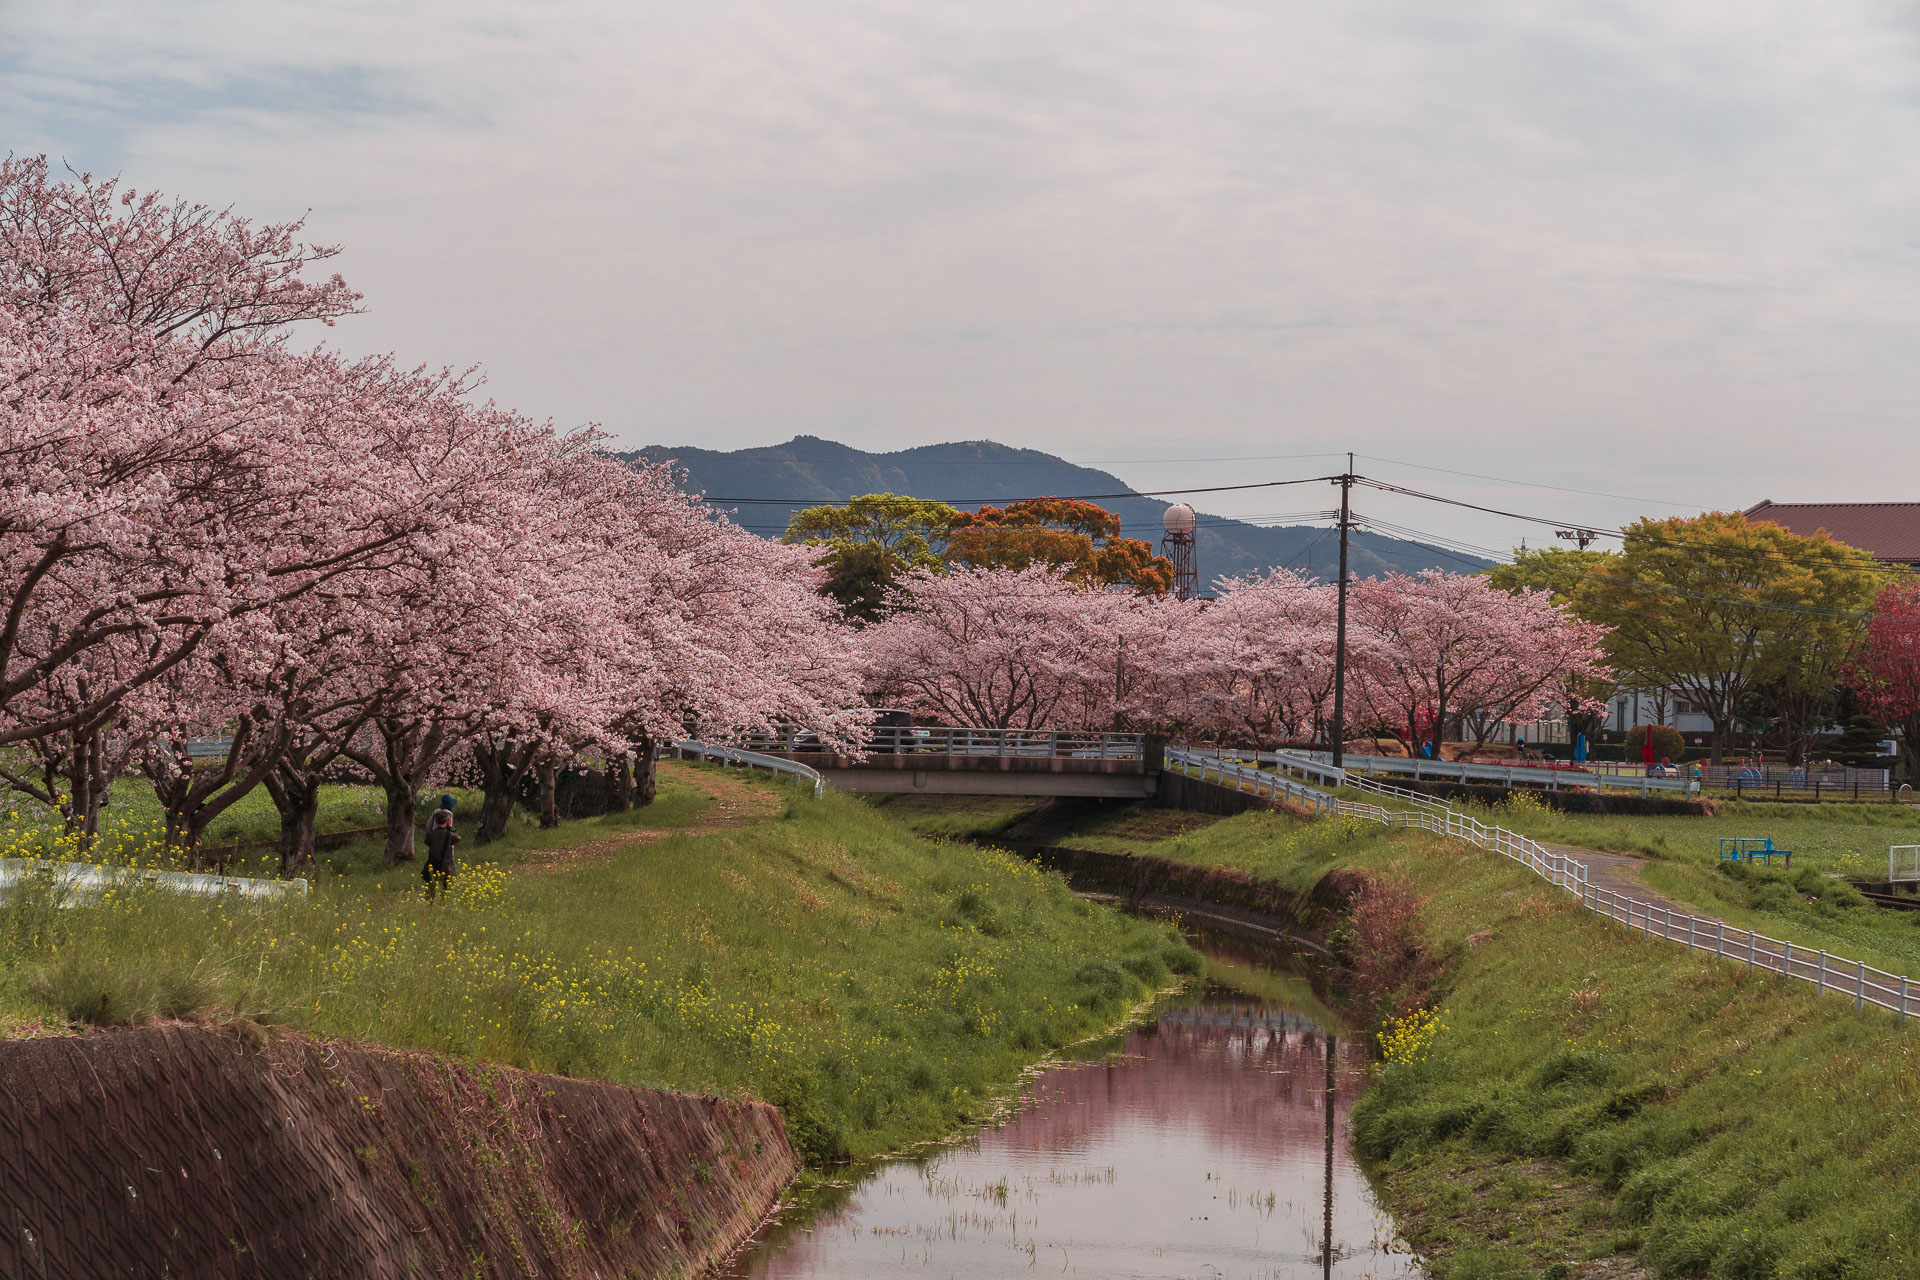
[
  {"x": 1249, "y": 1089},
  {"x": 1254, "y": 1093}
]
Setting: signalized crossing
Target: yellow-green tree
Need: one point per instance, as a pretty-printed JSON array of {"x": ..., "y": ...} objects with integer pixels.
[
  {"x": 869, "y": 542},
  {"x": 1560, "y": 570},
  {"x": 1720, "y": 607}
]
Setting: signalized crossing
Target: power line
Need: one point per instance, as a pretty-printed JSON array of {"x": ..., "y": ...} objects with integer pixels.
[
  {"x": 1076, "y": 497},
  {"x": 1530, "y": 484}
]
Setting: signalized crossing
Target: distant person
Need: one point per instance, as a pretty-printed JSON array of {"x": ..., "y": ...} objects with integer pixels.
[
  {"x": 441, "y": 837},
  {"x": 446, "y": 802}
]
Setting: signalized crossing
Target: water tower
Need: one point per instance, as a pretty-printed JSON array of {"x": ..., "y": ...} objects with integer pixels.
[{"x": 1178, "y": 547}]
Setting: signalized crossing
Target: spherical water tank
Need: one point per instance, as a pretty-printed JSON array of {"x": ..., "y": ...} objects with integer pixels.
[{"x": 1179, "y": 519}]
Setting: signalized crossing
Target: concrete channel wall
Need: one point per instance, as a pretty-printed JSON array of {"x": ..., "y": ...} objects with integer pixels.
[{"x": 182, "y": 1150}]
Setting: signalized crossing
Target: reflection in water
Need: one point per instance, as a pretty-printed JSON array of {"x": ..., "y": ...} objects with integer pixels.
[{"x": 1214, "y": 1146}]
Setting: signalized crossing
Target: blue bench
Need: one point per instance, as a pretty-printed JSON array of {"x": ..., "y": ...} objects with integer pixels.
[{"x": 1753, "y": 849}]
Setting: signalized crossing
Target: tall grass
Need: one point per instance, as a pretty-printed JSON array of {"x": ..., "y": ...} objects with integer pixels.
[{"x": 879, "y": 987}]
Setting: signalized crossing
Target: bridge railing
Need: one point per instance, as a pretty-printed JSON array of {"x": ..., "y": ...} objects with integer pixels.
[
  {"x": 1827, "y": 973},
  {"x": 953, "y": 740},
  {"x": 749, "y": 760},
  {"x": 1508, "y": 775}
]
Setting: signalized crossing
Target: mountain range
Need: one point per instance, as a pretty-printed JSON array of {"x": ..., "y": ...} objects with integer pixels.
[{"x": 764, "y": 486}]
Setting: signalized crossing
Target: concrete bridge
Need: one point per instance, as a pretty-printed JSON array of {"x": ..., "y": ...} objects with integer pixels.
[{"x": 942, "y": 760}]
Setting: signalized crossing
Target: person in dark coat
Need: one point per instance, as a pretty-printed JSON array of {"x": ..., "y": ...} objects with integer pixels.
[{"x": 441, "y": 837}]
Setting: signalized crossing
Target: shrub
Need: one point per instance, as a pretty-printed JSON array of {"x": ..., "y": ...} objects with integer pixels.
[
  {"x": 1667, "y": 742},
  {"x": 1383, "y": 963}
]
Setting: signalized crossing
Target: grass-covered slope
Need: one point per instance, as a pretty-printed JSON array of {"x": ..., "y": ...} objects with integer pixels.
[
  {"x": 1596, "y": 1101},
  {"x": 878, "y": 986}
]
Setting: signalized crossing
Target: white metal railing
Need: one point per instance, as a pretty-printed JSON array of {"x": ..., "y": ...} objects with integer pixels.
[
  {"x": 956, "y": 740},
  {"x": 1269, "y": 782},
  {"x": 85, "y": 878},
  {"x": 749, "y": 760},
  {"x": 1828, "y": 973},
  {"x": 1505, "y": 774},
  {"x": 1326, "y": 774}
]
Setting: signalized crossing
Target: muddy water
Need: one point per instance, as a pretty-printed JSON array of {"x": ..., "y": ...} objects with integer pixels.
[{"x": 1214, "y": 1143}]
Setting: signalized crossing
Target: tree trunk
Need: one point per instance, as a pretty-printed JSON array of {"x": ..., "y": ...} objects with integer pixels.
[
  {"x": 646, "y": 783},
  {"x": 408, "y": 751},
  {"x": 502, "y": 769},
  {"x": 297, "y": 797},
  {"x": 401, "y": 809},
  {"x": 549, "y": 794},
  {"x": 1722, "y": 732},
  {"x": 86, "y": 788},
  {"x": 619, "y": 784}
]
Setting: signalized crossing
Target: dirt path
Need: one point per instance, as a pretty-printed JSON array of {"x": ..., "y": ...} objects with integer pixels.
[{"x": 735, "y": 805}]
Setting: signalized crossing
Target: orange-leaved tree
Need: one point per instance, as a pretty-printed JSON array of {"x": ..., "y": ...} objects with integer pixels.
[{"x": 1066, "y": 533}]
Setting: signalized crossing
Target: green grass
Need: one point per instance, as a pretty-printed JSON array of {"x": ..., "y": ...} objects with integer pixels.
[
  {"x": 1595, "y": 1096},
  {"x": 880, "y": 987},
  {"x": 132, "y": 825},
  {"x": 957, "y": 817},
  {"x": 1847, "y": 838}
]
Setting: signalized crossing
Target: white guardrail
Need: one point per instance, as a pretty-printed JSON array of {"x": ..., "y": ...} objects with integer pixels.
[
  {"x": 1827, "y": 973},
  {"x": 750, "y": 760},
  {"x": 83, "y": 878}
]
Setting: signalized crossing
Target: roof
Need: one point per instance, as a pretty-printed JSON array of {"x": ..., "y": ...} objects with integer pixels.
[{"x": 1887, "y": 531}]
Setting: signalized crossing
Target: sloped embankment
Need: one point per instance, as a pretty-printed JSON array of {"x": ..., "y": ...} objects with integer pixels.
[{"x": 183, "y": 1151}]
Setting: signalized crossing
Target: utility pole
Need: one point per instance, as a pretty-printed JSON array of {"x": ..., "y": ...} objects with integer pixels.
[{"x": 1339, "y": 735}]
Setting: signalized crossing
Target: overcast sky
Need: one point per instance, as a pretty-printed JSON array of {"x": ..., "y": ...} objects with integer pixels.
[{"x": 1663, "y": 249}]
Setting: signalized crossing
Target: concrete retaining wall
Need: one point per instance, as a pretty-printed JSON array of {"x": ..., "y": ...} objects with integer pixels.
[{"x": 184, "y": 1151}]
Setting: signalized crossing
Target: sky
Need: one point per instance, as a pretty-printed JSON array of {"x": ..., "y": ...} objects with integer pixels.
[{"x": 1667, "y": 250}]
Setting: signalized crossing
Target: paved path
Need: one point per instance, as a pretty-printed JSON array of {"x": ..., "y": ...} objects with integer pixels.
[{"x": 1654, "y": 913}]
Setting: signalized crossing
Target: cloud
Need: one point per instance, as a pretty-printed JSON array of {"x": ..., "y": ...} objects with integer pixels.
[{"x": 1630, "y": 246}]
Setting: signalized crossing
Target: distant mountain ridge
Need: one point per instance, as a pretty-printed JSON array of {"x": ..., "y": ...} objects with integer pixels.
[{"x": 808, "y": 471}]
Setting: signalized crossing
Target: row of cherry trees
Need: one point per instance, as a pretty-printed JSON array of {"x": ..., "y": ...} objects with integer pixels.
[
  {"x": 1028, "y": 649},
  {"x": 207, "y": 531}
]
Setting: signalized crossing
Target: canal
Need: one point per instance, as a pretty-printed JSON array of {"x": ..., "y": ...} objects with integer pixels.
[{"x": 1210, "y": 1142}]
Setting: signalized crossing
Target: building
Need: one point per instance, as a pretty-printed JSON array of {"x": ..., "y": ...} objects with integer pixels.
[{"x": 1887, "y": 531}]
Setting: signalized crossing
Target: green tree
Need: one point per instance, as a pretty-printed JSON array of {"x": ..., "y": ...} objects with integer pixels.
[
  {"x": 869, "y": 542},
  {"x": 912, "y": 531},
  {"x": 1719, "y": 608},
  {"x": 1560, "y": 570}
]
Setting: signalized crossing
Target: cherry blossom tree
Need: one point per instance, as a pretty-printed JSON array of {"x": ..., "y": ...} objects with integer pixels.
[
  {"x": 150, "y": 447},
  {"x": 1000, "y": 649},
  {"x": 1442, "y": 647},
  {"x": 1261, "y": 658}
]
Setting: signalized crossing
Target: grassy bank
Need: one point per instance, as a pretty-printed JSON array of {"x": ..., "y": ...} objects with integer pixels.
[
  {"x": 1595, "y": 1101},
  {"x": 878, "y": 986}
]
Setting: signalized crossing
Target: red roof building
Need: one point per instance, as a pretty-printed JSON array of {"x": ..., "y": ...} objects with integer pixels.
[{"x": 1888, "y": 531}]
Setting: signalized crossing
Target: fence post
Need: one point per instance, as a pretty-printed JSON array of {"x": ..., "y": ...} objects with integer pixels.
[
  {"x": 1750, "y": 948},
  {"x": 1859, "y": 983},
  {"x": 1903, "y": 998},
  {"x": 1823, "y": 973},
  {"x": 1720, "y": 938},
  {"x": 1786, "y": 958}
]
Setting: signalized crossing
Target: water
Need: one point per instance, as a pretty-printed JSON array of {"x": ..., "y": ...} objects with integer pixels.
[{"x": 1214, "y": 1144}]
